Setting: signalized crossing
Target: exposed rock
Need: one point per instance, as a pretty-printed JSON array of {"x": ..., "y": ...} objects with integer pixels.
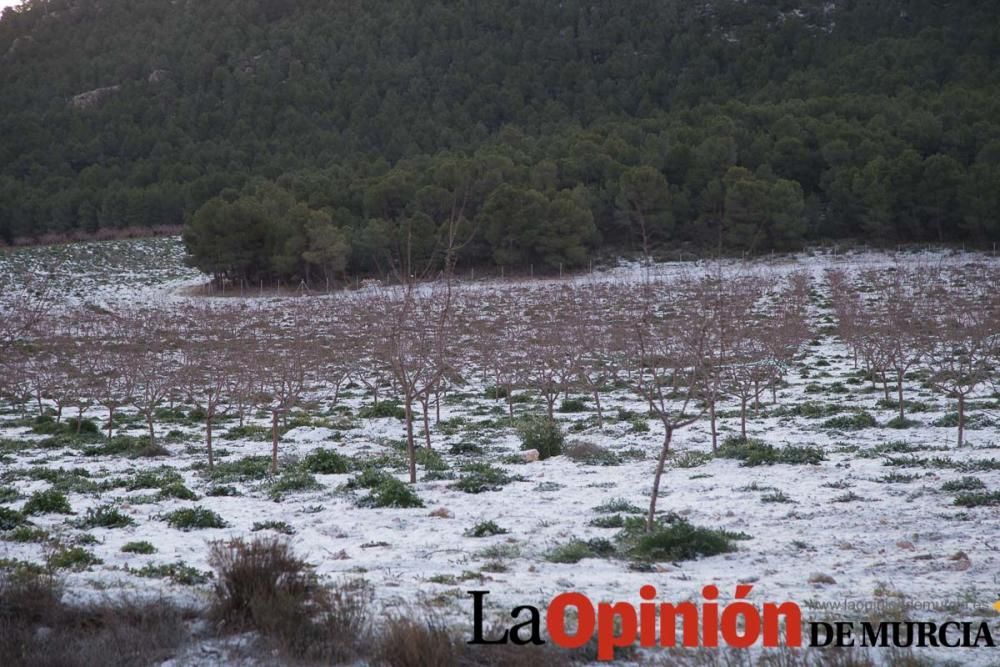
[
  {"x": 159, "y": 75},
  {"x": 93, "y": 98},
  {"x": 905, "y": 545},
  {"x": 820, "y": 578},
  {"x": 530, "y": 455}
]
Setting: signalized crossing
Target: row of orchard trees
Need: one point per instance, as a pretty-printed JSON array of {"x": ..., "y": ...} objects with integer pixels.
[
  {"x": 682, "y": 345},
  {"x": 943, "y": 321}
]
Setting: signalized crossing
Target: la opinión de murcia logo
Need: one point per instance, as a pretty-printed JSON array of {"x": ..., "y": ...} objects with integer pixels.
[{"x": 709, "y": 624}]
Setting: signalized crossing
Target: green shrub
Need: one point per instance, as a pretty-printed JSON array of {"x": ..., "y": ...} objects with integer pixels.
[
  {"x": 245, "y": 469},
  {"x": 8, "y": 494},
  {"x": 127, "y": 445},
  {"x": 485, "y": 529},
  {"x": 673, "y": 539},
  {"x": 897, "y": 478},
  {"x": 141, "y": 547},
  {"x": 291, "y": 481},
  {"x": 963, "y": 484},
  {"x": 460, "y": 448},
  {"x": 391, "y": 493},
  {"x": 812, "y": 410},
  {"x": 194, "y": 517},
  {"x": 106, "y": 516},
  {"x": 776, "y": 497},
  {"x": 754, "y": 452},
  {"x": 852, "y": 422},
  {"x": 72, "y": 558},
  {"x": 368, "y": 478},
  {"x": 639, "y": 425},
  {"x": 978, "y": 499},
  {"x": 385, "y": 409},
  {"x": 608, "y": 521},
  {"x": 480, "y": 477},
  {"x": 11, "y": 519},
  {"x": 573, "y": 405},
  {"x": 82, "y": 427},
  {"x": 251, "y": 432},
  {"x": 177, "y": 490},
  {"x": 153, "y": 479},
  {"x": 277, "y": 526},
  {"x": 178, "y": 572},
  {"x": 430, "y": 459},
  {"x": 617, "y": 505},
  {"x": 542, "y": 434},
  {"x": 692, "y": 459},
  {"x": 325, "y": 462},
  {"x": 576, "y": 550},
  {"x": 51, "y": 501},
  {"x": 898, "y": 423},
  {"x": 26, "y": 534},
  {"x": 894, "y": 447},
  {"x": 495, "y": 393},
  {"x": 972, "y": 421}
]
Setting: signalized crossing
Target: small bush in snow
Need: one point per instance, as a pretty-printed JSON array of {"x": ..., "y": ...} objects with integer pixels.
[
  {"x": 673, "y": 538},
  {"x": 106, "y": 516},
  {"x": 385, "y": 409},
  {"x": 141, "y": 547},
  {"x": 325, "y": 462},
  {"x": 194, "y": 517},
  {"x": 541, "y": 433},
  {"x": 854, "y": 422},
  {"x": 480, "y": 477},
  {"x": 50, "y": 501},
  {"x": 485, "y": 529},
  {"x": 391, "y": 493}
]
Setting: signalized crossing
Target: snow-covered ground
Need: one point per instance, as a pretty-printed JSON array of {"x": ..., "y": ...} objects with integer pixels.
[{"x": 853, "y": 528}]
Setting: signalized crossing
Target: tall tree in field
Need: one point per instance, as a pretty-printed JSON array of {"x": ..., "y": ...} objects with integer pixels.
[
  {"x": 671, "y": 348},
  {"x": 153, "y": 343},
  {"x": 206, "y": 360},
  {"x": 416, "y": 328},
  {"x": 963, "y": 336}
]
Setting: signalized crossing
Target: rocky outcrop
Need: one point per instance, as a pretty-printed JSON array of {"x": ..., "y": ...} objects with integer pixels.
[
  {"x": 92, "y": 98},
  {"x": 158, "y": 75}
]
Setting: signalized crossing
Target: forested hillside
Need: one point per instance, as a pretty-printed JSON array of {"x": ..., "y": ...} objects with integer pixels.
[{"x": 301, "y": 138}]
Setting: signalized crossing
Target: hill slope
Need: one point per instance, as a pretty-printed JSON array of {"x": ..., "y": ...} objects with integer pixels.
[{"x": 540, "y": 131}]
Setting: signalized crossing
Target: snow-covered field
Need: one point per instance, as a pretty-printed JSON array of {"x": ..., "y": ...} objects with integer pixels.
[{"x": 871, "y": 524}]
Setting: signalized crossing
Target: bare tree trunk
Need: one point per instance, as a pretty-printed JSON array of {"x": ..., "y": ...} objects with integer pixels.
[
  {"x": 208, "y": 440},
  {"x": 743, "y": 417},
  {"x": 111, "y": 420},
  {"x": 600, "y": 412},
  {"x": 899, "y": 388},
  {"x": 961, "y": 419},
  {"x": 274, "y": 442},
  {"x": 712, "y": 421},
  {"x": 410, "y": 448},
  {"x": 149, "y": 423},
  {"x": 425, "y": 404},
  {"x": 661, "y": 462}
]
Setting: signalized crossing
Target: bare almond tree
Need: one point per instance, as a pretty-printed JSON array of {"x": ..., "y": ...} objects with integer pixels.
[
  {"x": 671, "y": 345},
  {"x": 206, "y": 358},
  {"x": 963, "y": 336},
  {"x": 152, "y": 355},
  {"x": 415, "y": 330}
]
